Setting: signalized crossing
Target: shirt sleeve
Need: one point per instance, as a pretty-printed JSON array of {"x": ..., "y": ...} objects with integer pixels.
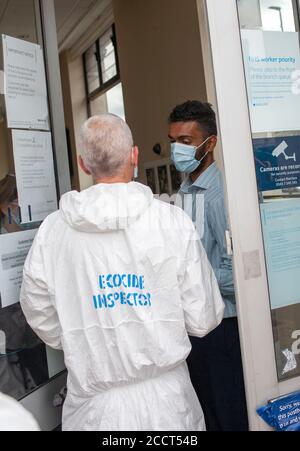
[
  {"x": 37, "y": 299},
  {"x": 202, "y": 302},
  {"x": 218, "y": 224}
]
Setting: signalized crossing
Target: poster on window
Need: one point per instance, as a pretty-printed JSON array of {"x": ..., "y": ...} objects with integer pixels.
[
  {"x": 281, "y": 229},
  {"x": 33, "y": 157},
  {"x": 14, "y": 248},
  {"x": 272, "y": 65},
  {"x": 25, "y": 86},
  {"x": 277, "y": 162}
]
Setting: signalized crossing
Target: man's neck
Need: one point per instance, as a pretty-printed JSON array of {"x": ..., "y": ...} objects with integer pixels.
[
  {"x": 113, "y": 180},
  {"x": 195, "y": 175}
]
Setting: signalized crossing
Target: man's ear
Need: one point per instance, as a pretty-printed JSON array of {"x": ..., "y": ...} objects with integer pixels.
[
  {"x": 212, "y": 144},
  {"x": 82, "y": 166},
  {"x": 135, "y": 161}
]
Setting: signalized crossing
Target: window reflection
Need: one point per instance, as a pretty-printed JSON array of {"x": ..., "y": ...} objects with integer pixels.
[
  {"x": 23, "y": 358},
  {"x": 108, "y": 56},
  {"x": 92, "y": 71},
  {"x": 277, "y": 15},
  {"x": 268, "y": 15}
]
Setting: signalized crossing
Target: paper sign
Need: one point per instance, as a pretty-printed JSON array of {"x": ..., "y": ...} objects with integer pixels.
[
  {"x": 25, "y": 85},
  {"x": 272, "y": 59},
  {"x": 277, "y": 162},
  {"x": 2, "y": 82},
  {"x": 35, "y": 175},
  {"x": 283, "y": 414},
  {"x": 281, "y": 229},
  {"x": 14, "y": 249}
]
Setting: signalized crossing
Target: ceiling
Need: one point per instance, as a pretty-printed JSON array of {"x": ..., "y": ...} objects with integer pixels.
[{"x": 73, "y": 17}]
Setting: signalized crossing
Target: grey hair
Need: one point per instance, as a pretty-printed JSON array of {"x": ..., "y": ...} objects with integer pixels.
[{"x": 106, "y": 145}]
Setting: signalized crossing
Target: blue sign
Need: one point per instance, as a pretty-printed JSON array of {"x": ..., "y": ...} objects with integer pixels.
[
  {"x": 277, "y": 162},
  {"x": 283, "y": 413}
]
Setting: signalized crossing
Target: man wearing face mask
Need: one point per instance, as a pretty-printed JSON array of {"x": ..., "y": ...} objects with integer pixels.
[{"x": 215, "y": 361}]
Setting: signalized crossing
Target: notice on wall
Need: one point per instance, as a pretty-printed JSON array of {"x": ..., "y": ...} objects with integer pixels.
[
  {"x": 25, "y": 85},
  {"x": 281, "y": 229},
  {"x": 272, "y": 62},
  {"x": 277, "y": 162},
  {"x": 14, "y": 248},
  {"x": 35, "y": 175}
]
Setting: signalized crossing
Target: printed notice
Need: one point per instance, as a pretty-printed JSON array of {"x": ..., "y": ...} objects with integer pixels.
[
  {"x": 14, "y": 250},
  {"x": 25, "y": 85},
  {"x": 34, "y": 167},
  {"x": 271, "y": 61},
  {"x": 277, "y": 162},
  {"x": 281, "y": 228}
]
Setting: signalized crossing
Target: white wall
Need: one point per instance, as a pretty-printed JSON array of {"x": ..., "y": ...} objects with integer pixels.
[
  {"x": 75, "y": 111},
  {"x": 161, "y": 65}
]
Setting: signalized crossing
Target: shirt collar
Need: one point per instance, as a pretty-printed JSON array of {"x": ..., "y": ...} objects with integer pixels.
[{"x": 203, "y": 182}]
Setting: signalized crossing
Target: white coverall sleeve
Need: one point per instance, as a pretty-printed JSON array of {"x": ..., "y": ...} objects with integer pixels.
[
  {"x": 14, "y": 418},
  {"x": 36, "y": 298},
  {"x": 201, "y": 299}
]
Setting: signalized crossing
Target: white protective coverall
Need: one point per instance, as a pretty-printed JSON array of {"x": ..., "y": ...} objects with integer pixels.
[
  {"x": 13, "y": 416},
  {"x": 117, "y": 279}
]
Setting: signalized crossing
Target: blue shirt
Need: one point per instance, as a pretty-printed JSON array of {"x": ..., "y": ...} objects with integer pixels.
[{"x": 210, "y": 185}]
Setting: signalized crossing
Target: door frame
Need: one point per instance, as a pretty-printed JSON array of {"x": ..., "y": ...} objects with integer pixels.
[{"x": 226, "y": 86}]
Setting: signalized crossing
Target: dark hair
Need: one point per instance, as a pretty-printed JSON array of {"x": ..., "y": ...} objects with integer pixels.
[{"x": 195, "y": 111}]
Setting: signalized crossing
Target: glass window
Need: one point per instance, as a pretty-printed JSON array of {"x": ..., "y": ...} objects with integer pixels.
[
  {"x": 24, "y": 362},
  {"x": 270, "y": 39},
  {"x": 110, "y": 102},
  {"x": 104, "y": 89},
  {"x": 277, "y": 15},
  {"x": 108, "y": 56},
  {"x": 92, "y": 70},
  {"x": 101, "y": 64},
  {"x": 115, "y": 101}
]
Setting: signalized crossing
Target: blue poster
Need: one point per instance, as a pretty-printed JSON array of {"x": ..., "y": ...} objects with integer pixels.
[
  {"x": 277, "y": 162},
  {"x": 283, "y": 414}
]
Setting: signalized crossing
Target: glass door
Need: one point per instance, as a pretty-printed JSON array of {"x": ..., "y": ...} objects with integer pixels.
[
  {"x": 33, "y": 174},
  {"x": 272, "y": 66},
  {"x": 255, "y": 56}
]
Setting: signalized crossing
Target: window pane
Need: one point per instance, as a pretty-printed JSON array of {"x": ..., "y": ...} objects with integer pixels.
[
  {"x": 24, "y": 365},
  {"x": 108, "y": 56},
  {"x": 110, "y": 102},
  {"x": 267, "y": 15},
  {"x": 115, "y": 102},
  {"x": 272, "y": 64},
  {"x": 277, "y": 15},
  {"x": 92, "y": 71}
]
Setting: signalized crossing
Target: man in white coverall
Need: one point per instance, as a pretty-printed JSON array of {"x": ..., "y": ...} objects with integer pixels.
[{"x": 118, "y": 280}]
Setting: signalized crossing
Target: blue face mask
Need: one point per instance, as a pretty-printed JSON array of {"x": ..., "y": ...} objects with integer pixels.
[{"x": 184, "y": 157}]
